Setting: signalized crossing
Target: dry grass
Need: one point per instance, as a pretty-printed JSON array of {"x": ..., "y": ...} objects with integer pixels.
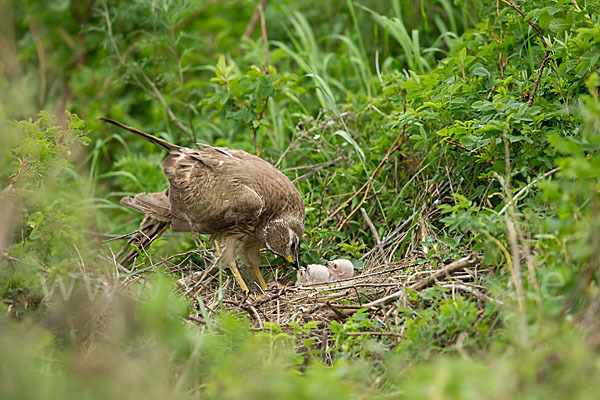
[{"x": 375, "y": 289}]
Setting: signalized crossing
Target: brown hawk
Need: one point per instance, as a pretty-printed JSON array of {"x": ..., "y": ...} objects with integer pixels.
[{"x": 228, "y": 193}]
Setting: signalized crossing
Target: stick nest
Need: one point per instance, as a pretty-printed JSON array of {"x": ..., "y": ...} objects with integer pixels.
[{"x": 376, "y": 288}]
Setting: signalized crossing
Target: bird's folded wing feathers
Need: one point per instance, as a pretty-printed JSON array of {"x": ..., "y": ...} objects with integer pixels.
[
  {"x": 154, "y": 204},
  {"x": 210, "y": 191}
]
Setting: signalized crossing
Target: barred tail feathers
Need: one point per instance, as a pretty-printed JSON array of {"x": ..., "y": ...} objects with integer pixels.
[
  {"x": 158, "y": 218},
  {"x": 151, "y": 138},
  {"x": 149, "y": 231}
]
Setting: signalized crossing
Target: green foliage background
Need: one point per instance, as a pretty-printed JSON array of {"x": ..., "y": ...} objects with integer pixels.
[{"x": 403, "y": 97}]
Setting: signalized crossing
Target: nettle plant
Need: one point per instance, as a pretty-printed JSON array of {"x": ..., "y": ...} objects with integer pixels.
[
  {"x": 40, "y": 180},
  {"x": 248, "y": 107},
  {"x": 43, "y": 198},
  {"x": 348, "y": 340}
]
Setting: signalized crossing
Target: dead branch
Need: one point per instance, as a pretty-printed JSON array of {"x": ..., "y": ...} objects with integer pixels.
[
  {"x": 457, "y": 265},
  {"x": 393, "y": 148},
  {"x": 370, "y": 225},
  {"x": 539, "y": 77},
  {"x": 253, "y": 20},
  {"x": 528, "y": 186}
]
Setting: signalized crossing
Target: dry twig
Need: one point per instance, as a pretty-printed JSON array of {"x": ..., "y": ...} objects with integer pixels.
[{"x": 457, "y": 265}]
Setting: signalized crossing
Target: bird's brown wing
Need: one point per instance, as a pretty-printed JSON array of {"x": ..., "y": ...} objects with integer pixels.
[
  {"x": 211, "y": 191},
  {"x": 157, "y": 208},
  {"x": 156, "y": 205},
  {"x": 272, "y": 184}
]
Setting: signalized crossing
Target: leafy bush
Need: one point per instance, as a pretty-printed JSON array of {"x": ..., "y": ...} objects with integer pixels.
[{"x": 44, "y": 203}]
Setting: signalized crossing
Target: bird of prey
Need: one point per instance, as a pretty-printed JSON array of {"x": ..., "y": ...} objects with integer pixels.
[
  {"x": 340, "y": 269},
  {"x": 312, "y": 274},
  {"x": 230, "y": 194}
]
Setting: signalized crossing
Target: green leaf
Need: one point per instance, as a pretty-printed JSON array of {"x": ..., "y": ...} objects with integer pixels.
[
  {"x": 558, "y": 25},
  {"x": 349, "y": 139},
  {"x": 335, "y": 327},
  {"x": 480, "y": 71},
  {"x": 272, "y": 326},
  {"x": 311, "y": 325},
  {"x": 243, "y": 115}
]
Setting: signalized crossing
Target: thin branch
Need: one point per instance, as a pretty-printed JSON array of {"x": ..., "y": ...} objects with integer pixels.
[
  {"x": 460, "y": 146},
  {"x": 393, "y": 148},
  {"x": 534, "y": 26},
  {"x": 117, "y": 237},
  {"x": 372, "y": 333},
  {"x": 182, "y": 82},
  {"x": 253, "y": 20},
  {"x": 195, "y": 15},
  {"x": 265, "y": 40},
  {"x": 155, "y": 92},
  {"x": 387, "y": 239},
  {"x": 158, "y": 95},
  {"x": 546, "y": 54},
  {"x": 263, "y": 31},
  {"x": 39, "y": 48},
  {"x": 304, "y": 133},
  {"x": 528, "y": 186},
  {"x": 462, "y": 263},
  {"x": 539, "y": 77},
  {"x": 512, "y": 237},
  {"x": 316, "y": 168},
  {"x": 456, "y": 266},
  {"x": 260, "y": 117},
  {"x": 197, "y": 251},
  {"x": 370, "y": 225},
  {"x": 255, "y": 313},
  {"x": 353, "y": 286},
  {"x": 472, "y": 290}
]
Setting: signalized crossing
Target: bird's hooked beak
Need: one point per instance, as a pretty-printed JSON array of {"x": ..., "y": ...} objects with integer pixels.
[{"x": 292, "y": 261}]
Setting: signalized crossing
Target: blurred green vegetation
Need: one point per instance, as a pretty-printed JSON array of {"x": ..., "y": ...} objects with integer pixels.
[{"x": 365, "y": 104}]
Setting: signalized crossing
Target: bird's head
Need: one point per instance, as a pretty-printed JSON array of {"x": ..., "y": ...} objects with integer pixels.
[
  {"x": 301, "y": 276},
  {"x": 340, "y": 269},
  {"x": 282, "y": 236}
]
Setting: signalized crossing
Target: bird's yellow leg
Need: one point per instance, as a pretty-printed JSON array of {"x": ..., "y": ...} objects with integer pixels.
[
  {"x": 238, "y": 277},
  {"x": 228, "y": 258},
  {"x": 250, "y": 251},
  {"x": 261, "y": 280}
]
